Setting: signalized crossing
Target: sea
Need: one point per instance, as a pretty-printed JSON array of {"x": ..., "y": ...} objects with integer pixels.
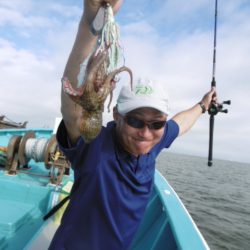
[{"x": 217, "y": 197}]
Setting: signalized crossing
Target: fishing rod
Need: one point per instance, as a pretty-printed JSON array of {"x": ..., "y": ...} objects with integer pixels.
[{"x": 214, "y": 107}]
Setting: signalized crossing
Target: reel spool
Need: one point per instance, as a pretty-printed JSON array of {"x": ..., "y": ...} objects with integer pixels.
[{"x": 23, "y": 160}]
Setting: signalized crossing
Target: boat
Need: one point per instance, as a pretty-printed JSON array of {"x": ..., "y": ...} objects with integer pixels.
[
  {"x": 7, "y": 123},
  {"x": 32, "y": 184}
]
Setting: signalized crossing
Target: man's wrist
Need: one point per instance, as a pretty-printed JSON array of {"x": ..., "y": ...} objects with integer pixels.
[{"x": 203, "y": 107}]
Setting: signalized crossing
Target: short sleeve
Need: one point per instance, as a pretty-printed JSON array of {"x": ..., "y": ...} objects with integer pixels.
[
  {"x": 170, "y": 134},
  {"x": 70, "y": 152}
]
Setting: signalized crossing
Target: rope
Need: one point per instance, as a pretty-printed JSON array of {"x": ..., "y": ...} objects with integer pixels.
[
  {"x": 3, "y": 149},
  {"x": 35, "y": 148},
  {"x": 2, "y": 157}
]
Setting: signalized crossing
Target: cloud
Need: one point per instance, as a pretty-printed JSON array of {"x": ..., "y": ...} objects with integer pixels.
[
  {"x": 171, "y": 42},
  {"x": 68, "y": 11},
  {"x": 36, "y": 14},
  {"x": 29, "y": 84},
  {"x": 13, "y": 17},
  {"x": 22, "y": 6}
]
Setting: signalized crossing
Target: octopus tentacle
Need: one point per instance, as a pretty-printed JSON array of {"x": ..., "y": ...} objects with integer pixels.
[
  {"x": 95, "y": 63},
  {"x": 111, "y": 82},
  {"x": 68, "y": 89},
  {"x": 74, "y": 94},
  {"x": 111, "y": 75}
]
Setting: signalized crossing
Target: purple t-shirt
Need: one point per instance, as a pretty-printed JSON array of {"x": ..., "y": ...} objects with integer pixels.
[{"x": 111, "y": 191}]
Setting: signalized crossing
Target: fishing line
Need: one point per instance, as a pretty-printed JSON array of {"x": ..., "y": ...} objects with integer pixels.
[{"x": 215, "y": 43}]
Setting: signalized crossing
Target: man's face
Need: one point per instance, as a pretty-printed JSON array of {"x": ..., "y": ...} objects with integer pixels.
[{"x": 138, "y": 141}]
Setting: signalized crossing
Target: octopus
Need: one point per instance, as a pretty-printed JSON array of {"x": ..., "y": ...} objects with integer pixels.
[{"x": 92, "y": 94}]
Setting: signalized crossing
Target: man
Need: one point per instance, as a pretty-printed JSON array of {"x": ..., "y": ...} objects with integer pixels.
[{"x": 114, "y": 172}]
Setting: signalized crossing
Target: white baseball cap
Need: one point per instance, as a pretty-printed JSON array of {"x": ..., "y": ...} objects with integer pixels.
[{"x": 144, "y": 94}]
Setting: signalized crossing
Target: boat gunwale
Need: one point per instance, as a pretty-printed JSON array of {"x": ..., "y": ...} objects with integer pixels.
[{"x": 170, "y": 201}]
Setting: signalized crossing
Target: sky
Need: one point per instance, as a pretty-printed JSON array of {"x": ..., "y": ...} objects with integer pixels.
[{"x": 170, "y": 41}]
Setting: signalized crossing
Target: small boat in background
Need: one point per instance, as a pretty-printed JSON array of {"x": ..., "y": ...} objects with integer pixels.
[
  {"x": 7, "y": 123},
  {"x": 35, "y": 175}
]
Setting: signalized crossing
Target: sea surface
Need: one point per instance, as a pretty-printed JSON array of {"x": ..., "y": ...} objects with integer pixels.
[{"x": 217, "y": 197}]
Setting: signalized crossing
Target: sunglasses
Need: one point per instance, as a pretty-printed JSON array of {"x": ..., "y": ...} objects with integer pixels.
[{"x": 137, "y": 123}]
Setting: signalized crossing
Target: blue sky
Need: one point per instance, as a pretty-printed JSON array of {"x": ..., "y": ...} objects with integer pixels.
[{"x": 167, "y": 41}]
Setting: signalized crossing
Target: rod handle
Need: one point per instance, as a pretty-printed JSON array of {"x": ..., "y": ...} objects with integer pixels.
[{"x": 211, "y": 135}]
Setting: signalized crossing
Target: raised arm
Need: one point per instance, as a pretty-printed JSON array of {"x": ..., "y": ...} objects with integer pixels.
[
  {"x": 83, "y": 46},
  {"x": 187, "y": 118}
]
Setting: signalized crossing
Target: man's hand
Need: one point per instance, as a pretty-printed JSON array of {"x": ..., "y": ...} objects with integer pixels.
[
  {"x": 92, "y": 6},
  {"x": 209, "y": 97},
  {"x": 187, "y": 118}
]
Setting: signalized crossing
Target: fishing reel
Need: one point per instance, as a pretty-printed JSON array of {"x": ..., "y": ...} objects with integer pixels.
[{"x": 215, "y": 107}]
